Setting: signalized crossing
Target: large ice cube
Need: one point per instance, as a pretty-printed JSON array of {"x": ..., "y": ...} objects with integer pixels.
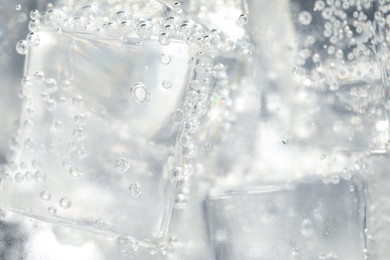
[
  {"x": 98, "y": 134},
  {"x": 303, "y": 220}
]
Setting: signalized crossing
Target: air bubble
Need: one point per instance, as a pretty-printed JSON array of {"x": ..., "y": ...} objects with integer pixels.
[
  {"x": 304, "y": 18},
  {"x": 29, "y": 176},
  {"x": 335, "y": 179},
  {"x": 18, "y": 7},
  {"x": 34, "y": 25},
  {"x": 51, "y": 85},
  {"x": 78, "y": 134},
  {"x": 178, "y": 116},
  {"x": 27, "y": 82},
  {"x": 39, "y": 176},
  {"x": 195, "y": 85},
  {"x": 39, "y": 76},
  {"x": 35, "y": 15},
  {"x": 33, "y": 39},
  {"x": 177, "y": 7},
  {"x": 78, "y": 101},
  {"x": 165, "y": 59},
  {"x": 75, "y": 171},
  {"x": 140, "y": 93},
  {"x": 177, "y": 173},
  {"x": 208, "y": 42},
  {"x": 66, "y": 85},
  {"x": 144, "y": 30},
  {"x": 100, "y": 223},
  {"x": 22, "y": 47},
  {"x": 45, "y": 195},
  {"x": 164, "y": 38},
  {"x": 186, "y": 139},
  {"x": 52, "y": 210},
  {"x": 135, "y": 189},
  {"x": 122, "y": 17},
  {"x": 127, "y": 244},
  {"x": 65, "y": 203},
  {"x": 189, "y": 151},
  {"x": 319, "y": 5},
  {"x": 122, "y": 165},
  {"x": 167, "y": 84},
  {"x": 243, "y": 19}
]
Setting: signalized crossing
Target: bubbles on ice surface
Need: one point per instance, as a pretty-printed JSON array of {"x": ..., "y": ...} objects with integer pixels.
[
  {"x": 51, "y": 85},
  {"x": 140, "y": 93},
  {"x": 243, "y": 19},
  {"x": 178, "y": 116},
  {"x": 122, "y": 17},
  {"x": 34, "y": 25},
  {"x": 177, "y": 7},
  {"x": 35, "y": 14},
  {"x": 65, "y": 203},
  {"x": 127, "y": 244},
  {"x": 45, "y": 195},
  {"x": 33, "y": 39},
  {"x": 189, "y": 151},
  {"x": 135, "y": 189},
  {"x": 75, "y": 171},
  {"x": 22, "y": 47},
  {"x": 164, "y": 38},
  {"x": 177, "y": 173},
  {"x": 304, "y": 18},
  {"x": 319, "y": 5},
  {"x": 39, "y": 76},
  {"x": 52, "y": 210},
  {"x": 39, "y": 176},
  {"x": 122, "y": 165},
  {"x": 29, "y": 176},
  {"x": 167, "y": 84},
  {"x": 165, "y": 59}
]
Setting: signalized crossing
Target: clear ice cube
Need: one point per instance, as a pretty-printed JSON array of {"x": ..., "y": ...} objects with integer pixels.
[
  {"x": 98, "y": 133},
  {"x": 303, "y": 220}
]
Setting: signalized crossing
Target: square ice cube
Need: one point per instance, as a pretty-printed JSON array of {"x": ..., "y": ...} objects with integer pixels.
[
  {"x": 99, "y": 127},
  {"x": 303, "y": 220}
]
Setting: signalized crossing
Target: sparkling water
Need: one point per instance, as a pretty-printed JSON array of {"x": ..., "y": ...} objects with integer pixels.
[{"x": 200, "y": 129}]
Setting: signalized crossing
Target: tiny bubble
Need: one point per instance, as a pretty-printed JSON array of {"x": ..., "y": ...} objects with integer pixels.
[
  {"x": 167, "y": 84},
  {"x": 45, "y": 195},
  {"x": 65, "y": 203},
  {"x": 135, "y": 189},
  {"x": 165, "y": 59},
  {"x": 243, "y": 19}
]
